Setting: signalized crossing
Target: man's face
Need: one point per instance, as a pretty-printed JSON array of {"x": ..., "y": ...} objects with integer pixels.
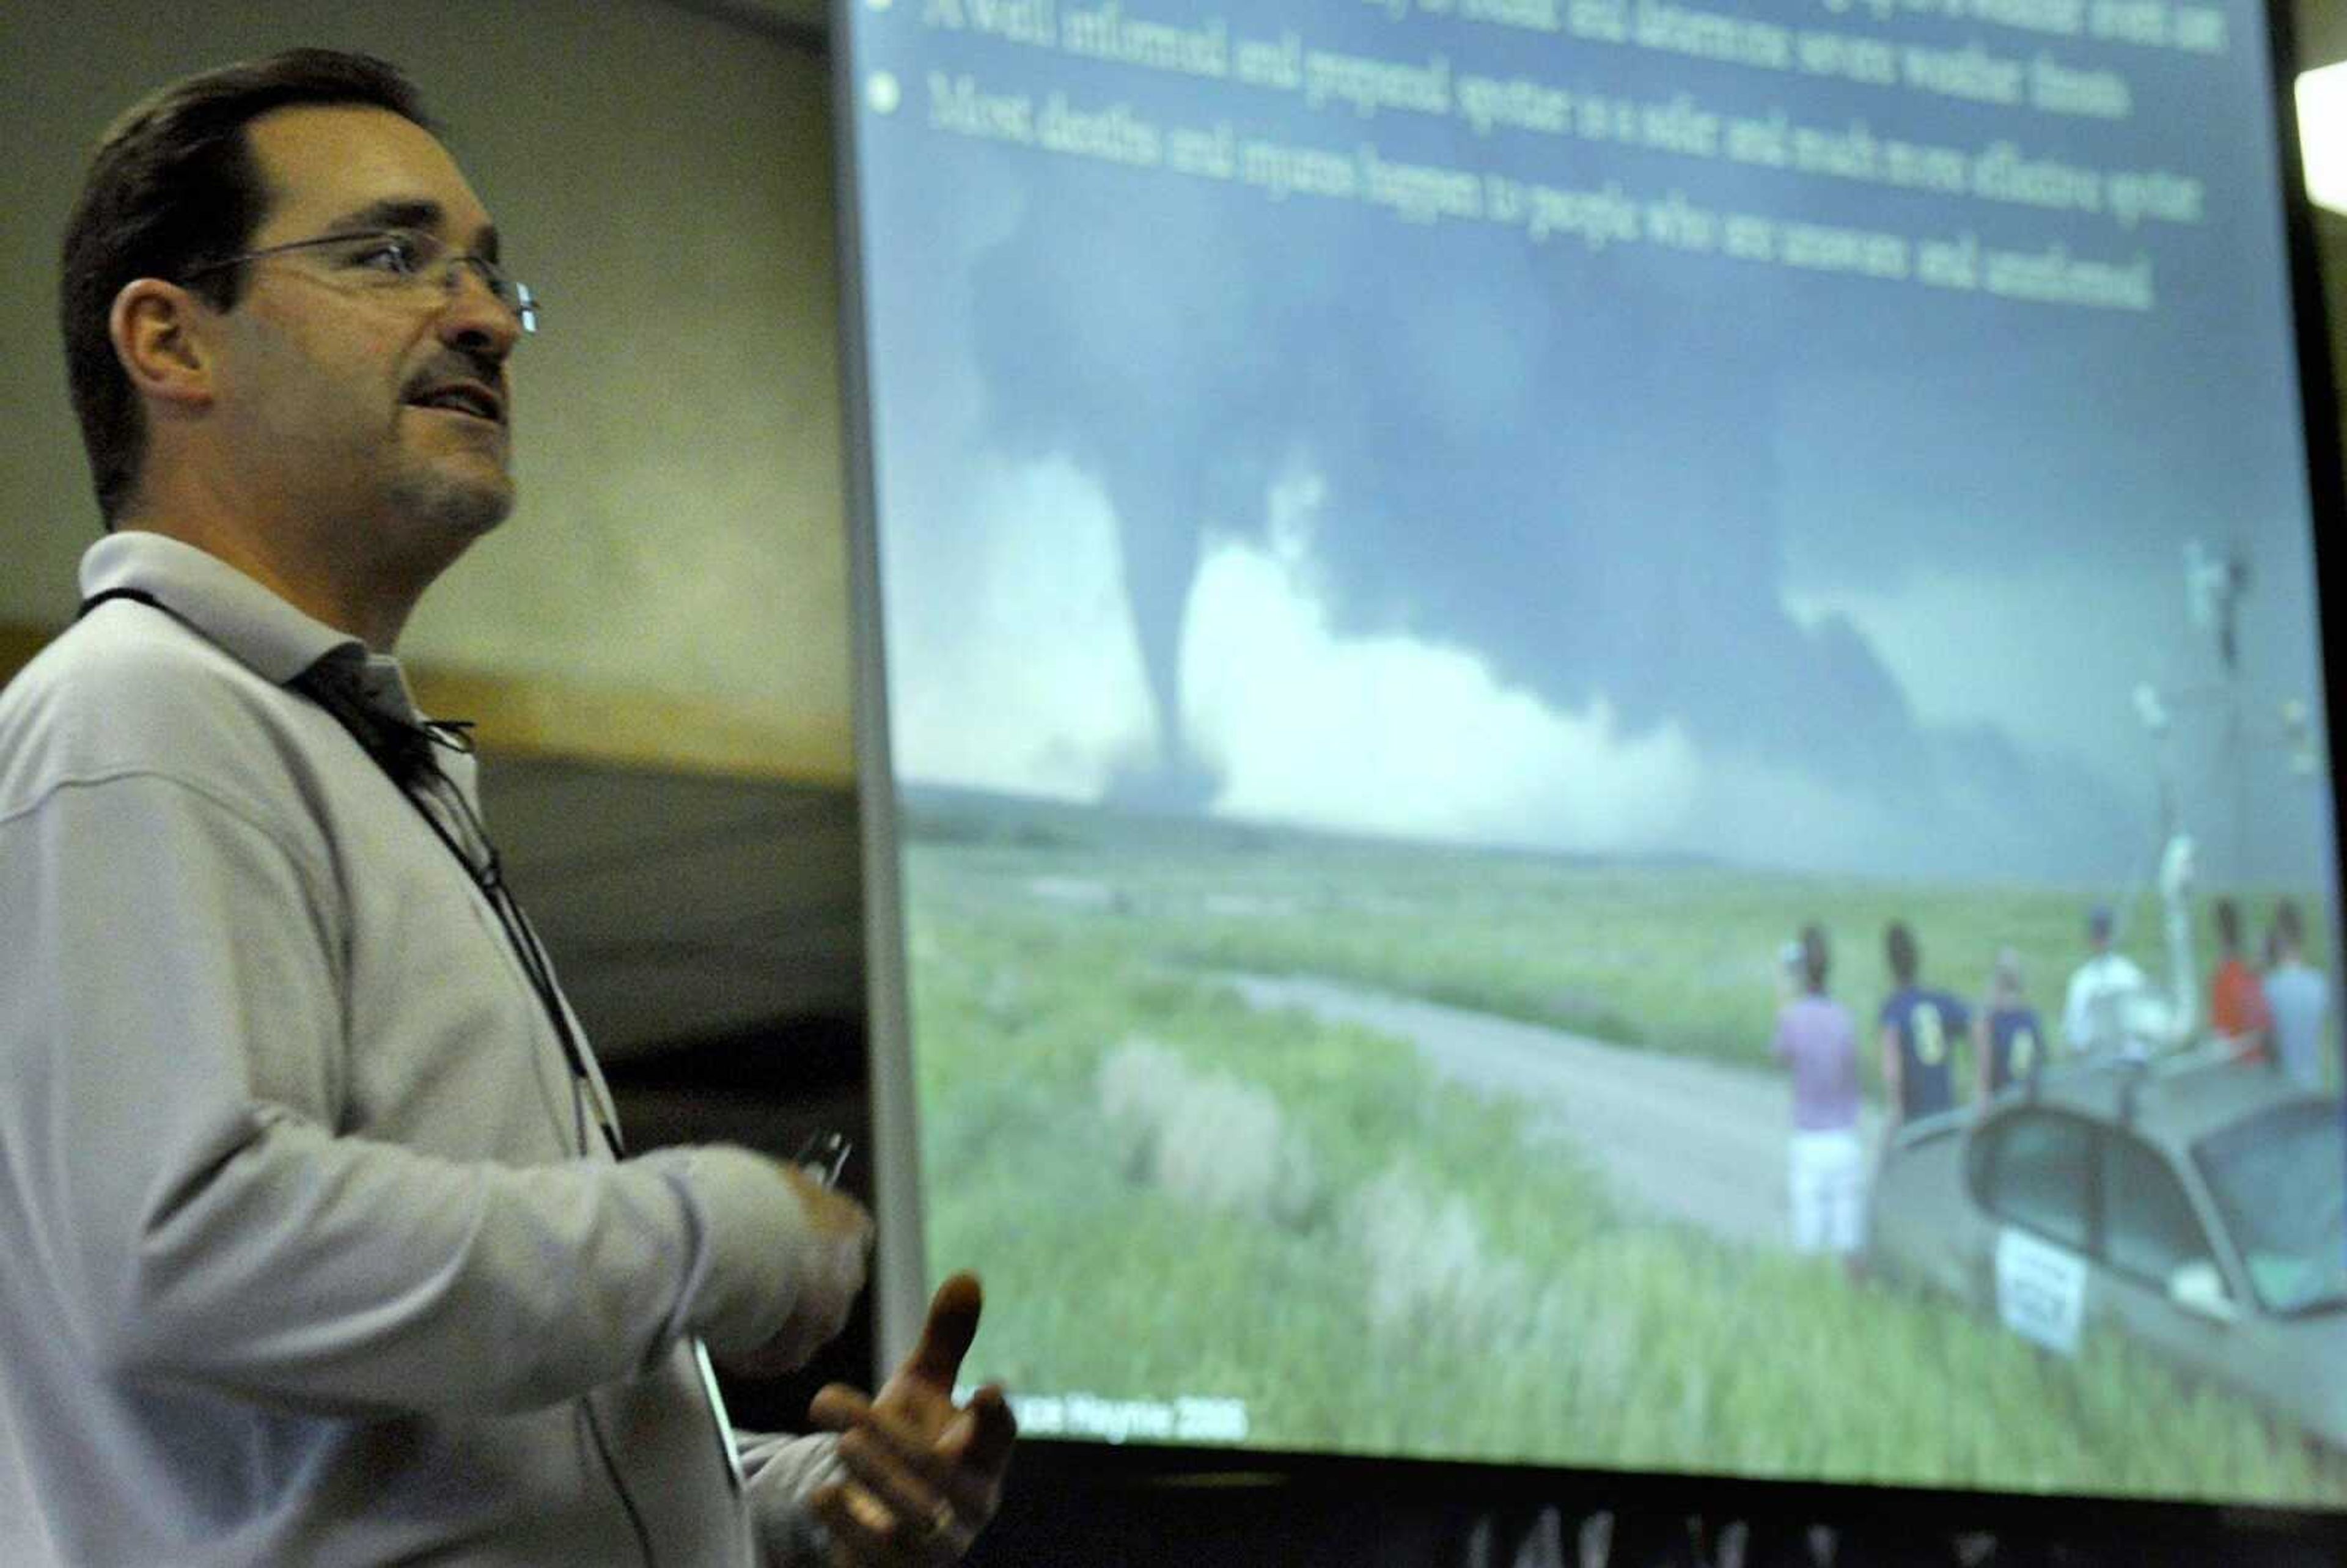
[{"x": 359, "y": 401}]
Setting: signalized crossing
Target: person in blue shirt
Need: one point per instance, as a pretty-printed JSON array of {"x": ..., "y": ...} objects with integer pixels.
[
  {"x": 2011, "y": 1047},
  {"x": 1920, "y": 1027}
]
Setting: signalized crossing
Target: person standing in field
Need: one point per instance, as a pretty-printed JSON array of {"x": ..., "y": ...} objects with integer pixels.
[
  {"x": 2238, "y": 1012},
  {"x": 1919, "y": 1031},
  {"x": 1825, "y": 1163},
  {"x": 2094, "y": 1014},
  {"x": 2011, "y": 1047},
  {"x": 2299, "y": 999}
]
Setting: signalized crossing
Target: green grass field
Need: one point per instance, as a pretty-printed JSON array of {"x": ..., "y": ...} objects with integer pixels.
[{"x": 1173, "y": 1194}]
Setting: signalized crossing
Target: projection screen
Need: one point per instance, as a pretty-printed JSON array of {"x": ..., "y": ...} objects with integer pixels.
[{"x": 1560, "y": 695}]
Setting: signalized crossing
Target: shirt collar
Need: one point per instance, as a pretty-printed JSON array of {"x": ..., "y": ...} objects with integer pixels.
[{"x": 245, "y": 619}]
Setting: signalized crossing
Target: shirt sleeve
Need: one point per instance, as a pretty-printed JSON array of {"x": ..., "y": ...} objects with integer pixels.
[
  {"x": 170, "y": 1043},
  {"x": 783, "y": 1473}
]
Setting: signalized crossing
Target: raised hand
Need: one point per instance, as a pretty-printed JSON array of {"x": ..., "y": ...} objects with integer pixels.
[{"x": 925, "y": 1474}]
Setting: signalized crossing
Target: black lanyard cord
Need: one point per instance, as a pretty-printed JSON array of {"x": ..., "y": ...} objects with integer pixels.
[
  {"x": 405, "y": 753},
  {"x": 408, "y": 753}
]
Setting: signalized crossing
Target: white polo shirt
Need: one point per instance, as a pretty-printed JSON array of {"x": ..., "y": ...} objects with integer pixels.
[{"x": 304, "y": 1261}]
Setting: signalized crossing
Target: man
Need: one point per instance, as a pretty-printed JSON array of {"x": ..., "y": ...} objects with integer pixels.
[
  {"x": 1919, "y": 1031},
  {"x": 321, "y": 1247},
  {"x": 2095, "y": 1012},
  {"x": 2237, "y": 1002},
  {"x": 2300, "y": 1000}
]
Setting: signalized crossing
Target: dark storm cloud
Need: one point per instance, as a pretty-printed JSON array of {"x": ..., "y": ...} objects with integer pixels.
[{"x": 1513, "y": 465}]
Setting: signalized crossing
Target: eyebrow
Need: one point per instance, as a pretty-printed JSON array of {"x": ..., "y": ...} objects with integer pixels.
[{"x": 411, "y": 213}]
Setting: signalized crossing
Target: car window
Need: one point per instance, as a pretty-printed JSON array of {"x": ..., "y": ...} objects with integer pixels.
[
  {"x": 2036, "y": 1172},
  {"x": 2149, "y": 1227},
  {"x": 2275, "y": 1177}
]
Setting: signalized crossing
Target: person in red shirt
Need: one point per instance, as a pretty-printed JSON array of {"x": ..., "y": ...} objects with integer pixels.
[{"x": 2237, "y": 1002}]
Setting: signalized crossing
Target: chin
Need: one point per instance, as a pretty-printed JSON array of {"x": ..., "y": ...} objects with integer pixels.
[{"x": 468, "y": 508}]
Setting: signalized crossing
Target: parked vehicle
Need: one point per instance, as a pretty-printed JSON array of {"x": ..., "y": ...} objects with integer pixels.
[{"x": 2197, "y": 1207}]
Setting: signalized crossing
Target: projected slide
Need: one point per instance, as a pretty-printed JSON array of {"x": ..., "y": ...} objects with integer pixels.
[{"x": 1607, "y": 733}]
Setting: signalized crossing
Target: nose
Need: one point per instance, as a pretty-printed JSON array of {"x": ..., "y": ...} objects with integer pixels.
[{"x": 474, "y": 318}]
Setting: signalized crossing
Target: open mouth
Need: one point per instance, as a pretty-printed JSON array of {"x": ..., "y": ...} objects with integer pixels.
[{"x": 463, "y": 397}]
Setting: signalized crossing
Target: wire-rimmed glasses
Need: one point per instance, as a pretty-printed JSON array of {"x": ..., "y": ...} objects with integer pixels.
[{"x": 400, "y": 259}]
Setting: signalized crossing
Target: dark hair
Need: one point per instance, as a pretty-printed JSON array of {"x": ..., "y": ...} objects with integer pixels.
[
  {"x": 2228, "y": 924},
  {"x": 2288, "y": 925},
  {"x": 1815, "y": 959},
  {"x": 172, "y": 185},
  {"x": 1899, "y": 942}
]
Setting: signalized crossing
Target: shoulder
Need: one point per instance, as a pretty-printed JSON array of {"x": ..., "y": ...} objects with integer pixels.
[{"x": 132, "y": 692}]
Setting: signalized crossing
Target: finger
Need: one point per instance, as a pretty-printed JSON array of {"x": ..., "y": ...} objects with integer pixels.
[
  {"x": 862, "y": 1533},
  {"x": 923, "y": 1494},
  {"x": 947, "y": 1333},
  {"x": 871, "y": 1533},
  {"x": 990, "y": 1431},
  {"x": 900, "y": 1452},
  {"x": 837, "y": 1407}
]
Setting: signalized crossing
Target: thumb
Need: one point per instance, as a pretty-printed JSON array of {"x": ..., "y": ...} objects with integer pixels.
[{"x": 947, "y": 1333}]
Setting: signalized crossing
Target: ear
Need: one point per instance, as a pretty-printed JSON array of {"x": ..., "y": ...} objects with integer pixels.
[{"x": 158, "y": 340}]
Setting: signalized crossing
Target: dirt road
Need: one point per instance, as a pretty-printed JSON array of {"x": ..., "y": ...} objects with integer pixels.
[{"x": 1680, "y": 1139}]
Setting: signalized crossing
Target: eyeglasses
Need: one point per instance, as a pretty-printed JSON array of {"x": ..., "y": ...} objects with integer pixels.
[{"x": 399, "y": 259}]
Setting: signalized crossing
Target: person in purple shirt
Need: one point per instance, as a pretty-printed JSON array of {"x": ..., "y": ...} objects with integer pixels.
[
  {"x": 1919, "y": 1031},
  {"x": 1825, "y": 1160}
]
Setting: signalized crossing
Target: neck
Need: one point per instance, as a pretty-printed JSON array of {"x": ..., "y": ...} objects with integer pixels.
[
  {"x": 310, "y": 565},
  {"x": 374, "y": 616}
]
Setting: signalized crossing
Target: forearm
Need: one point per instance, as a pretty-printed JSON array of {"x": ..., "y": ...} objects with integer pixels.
[
  {"x": 282, "y": 1263},
  {"x": 173, "y": 1161}
]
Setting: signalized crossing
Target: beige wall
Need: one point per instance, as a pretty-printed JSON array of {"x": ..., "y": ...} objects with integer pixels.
[{"x": 673, "y": 582}]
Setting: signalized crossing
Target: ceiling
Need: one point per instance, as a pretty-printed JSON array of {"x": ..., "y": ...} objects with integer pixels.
[
  {"x": 2321, "y": 32},
  {"x": 2322, "y": 28}
]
